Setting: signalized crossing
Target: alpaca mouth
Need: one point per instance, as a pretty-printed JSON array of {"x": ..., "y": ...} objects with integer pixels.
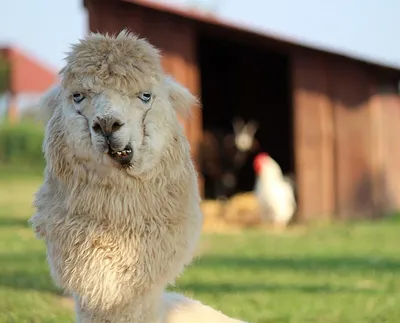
[{"x": 122, "y": 157}]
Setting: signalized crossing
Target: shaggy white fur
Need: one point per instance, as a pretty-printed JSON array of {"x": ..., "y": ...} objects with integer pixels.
[{"x": 119, "y": 207}]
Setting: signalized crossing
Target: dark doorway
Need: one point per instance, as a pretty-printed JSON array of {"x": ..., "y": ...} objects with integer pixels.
[{"x": 242, "y": 81}]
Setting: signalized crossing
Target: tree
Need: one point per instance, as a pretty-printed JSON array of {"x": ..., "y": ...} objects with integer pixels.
[{"x": 4, "y": 74}]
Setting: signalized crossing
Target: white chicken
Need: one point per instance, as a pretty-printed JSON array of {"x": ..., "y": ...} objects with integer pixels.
[{"x": 273, "y": 191}]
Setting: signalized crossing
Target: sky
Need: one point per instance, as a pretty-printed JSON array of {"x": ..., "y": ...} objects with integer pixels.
[
  {"x": 361, "y": 28},
  {"x": 42, "y": 28}
]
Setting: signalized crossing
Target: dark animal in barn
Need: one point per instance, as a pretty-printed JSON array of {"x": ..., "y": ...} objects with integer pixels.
[{"x": 223, "y": 154}]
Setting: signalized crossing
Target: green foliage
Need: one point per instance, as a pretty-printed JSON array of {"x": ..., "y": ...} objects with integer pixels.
[
  {"x": 4, "y": 73},
  {"x": 21, "y": 145},
  {"x": 339, "y": 273}
]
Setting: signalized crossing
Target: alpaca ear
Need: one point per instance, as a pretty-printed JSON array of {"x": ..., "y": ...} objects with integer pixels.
[
  {"x": 48, "y": 103},
  {"x": 181, "y": 98}
]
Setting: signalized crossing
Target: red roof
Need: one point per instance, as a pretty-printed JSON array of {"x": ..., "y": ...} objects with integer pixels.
[{"x": 27, "y": 74}]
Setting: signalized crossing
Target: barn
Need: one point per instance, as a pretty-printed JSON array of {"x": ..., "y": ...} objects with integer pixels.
[
  {"x": 21, "y": 74},
  {"x": 331, "y": 120}
]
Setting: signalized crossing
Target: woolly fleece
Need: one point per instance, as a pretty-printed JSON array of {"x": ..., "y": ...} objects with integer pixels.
[{"x": 117, "y": 236}]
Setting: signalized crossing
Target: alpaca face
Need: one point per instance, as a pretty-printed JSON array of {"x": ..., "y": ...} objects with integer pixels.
[
  {"x": 120, "y": 106},
  {"x": 127, "y": 131}
]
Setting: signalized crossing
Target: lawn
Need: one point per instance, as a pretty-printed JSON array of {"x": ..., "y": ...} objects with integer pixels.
[{"x": 341, "y": 273}]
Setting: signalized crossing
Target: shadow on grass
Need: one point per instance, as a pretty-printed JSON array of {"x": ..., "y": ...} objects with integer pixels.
[
  {"x": 26, "y": 271},
  {"x": 217, "y": 288},
  {"x": 13, "y": 222},
  {"x": 296, "y": 263},
  {"x": 30, "y": 272}
]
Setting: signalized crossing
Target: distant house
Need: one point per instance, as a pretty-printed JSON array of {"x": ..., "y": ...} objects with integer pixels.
[
  {"x": 20, "y": 74},
  {"x": 332, "y": 120}
]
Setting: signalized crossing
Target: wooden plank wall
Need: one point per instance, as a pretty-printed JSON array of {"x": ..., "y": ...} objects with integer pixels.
[
  {"x": 346, "y": 146},
  {"x": 313, "y": 137},
  {"x": 389, "y": 177},
  {"x": 176, "y": 39},
  {"x": 356, "y": 138}
]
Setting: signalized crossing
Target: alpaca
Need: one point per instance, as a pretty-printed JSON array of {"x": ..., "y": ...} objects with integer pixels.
[{"x": 119, "y": 209}]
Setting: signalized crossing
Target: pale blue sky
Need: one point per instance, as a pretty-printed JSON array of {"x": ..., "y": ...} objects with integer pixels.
[{"x": 367, "y": 28}]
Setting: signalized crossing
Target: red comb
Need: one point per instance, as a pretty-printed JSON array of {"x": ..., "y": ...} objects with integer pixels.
[{"x": 258, "y": 161}]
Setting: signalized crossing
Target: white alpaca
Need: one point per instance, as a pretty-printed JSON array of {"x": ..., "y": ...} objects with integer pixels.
[{"x": 119, "y": 207}]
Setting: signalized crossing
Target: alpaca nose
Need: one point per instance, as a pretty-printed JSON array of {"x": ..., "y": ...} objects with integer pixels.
[{"x": 107, "y": 125}]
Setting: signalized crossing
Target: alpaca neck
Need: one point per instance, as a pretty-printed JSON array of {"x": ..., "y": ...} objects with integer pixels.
[{"x": 143, "y": 310}]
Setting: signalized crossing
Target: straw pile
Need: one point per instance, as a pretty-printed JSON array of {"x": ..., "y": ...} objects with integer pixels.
[{"x": 241, "y": 211}]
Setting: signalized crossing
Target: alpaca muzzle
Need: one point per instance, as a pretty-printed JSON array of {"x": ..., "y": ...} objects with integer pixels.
[
  {"x": 122, "y": 157},
  {"x": 108, "y": 126}
]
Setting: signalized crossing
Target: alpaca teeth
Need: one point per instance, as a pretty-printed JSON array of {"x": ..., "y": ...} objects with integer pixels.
[{"x": 122, "y": 153}]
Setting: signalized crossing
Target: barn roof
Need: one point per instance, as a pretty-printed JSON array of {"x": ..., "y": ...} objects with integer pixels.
[
  {"x": 27, "y": 74},
  {"x": 209, "y": 19}
]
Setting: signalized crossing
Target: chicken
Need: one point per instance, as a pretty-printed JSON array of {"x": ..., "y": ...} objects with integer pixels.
[{"x": 274, "y": 192}]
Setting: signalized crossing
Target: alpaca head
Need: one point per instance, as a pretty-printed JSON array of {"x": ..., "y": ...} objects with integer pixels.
[{"x": 117, "y": 105}]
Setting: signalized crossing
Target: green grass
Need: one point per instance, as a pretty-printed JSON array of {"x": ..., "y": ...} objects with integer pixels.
[{"x": 336, "y": 274}]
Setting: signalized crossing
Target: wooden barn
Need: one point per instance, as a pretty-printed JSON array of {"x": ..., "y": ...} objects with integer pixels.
[
  {"x": 332, "y": 120},
  {"x": 22, "y": 74}
]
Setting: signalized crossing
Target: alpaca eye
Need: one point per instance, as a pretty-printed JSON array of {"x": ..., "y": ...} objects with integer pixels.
[
  {"x": 78, "y": 97},
  {"x": 145, "y": 97}
]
